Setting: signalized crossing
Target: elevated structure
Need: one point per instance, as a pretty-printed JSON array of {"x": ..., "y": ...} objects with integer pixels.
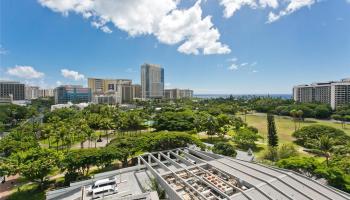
[{"x": 188, "y": 173}]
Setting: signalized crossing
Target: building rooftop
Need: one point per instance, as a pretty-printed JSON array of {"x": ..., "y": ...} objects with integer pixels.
[
  {"x": 10, "y": 82},
  {"x": 189, "y": 173}
]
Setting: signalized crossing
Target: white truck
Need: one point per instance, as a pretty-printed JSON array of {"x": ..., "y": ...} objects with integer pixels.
[{"x": 102, "y": 187}]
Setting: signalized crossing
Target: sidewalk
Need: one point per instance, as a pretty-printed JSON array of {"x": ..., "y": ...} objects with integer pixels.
[{"x": 7, "y": 188}]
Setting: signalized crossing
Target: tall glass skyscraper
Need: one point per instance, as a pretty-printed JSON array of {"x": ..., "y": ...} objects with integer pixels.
[{"x": 152, "y": 81}]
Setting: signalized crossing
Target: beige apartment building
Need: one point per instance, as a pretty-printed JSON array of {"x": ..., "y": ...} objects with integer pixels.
[
  {"x": 111, "y": 91},
  {"x": 334, "y": 93},
  {"x": 136, "y": 91},
  {"x": 178, "y": 93},
  {"x": 44, "y": 93},
  {"x": 31, "y": 92}
]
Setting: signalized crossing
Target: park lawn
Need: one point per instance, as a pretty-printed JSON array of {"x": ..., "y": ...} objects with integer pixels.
[
  {"x": 27, "y": 192},
  {"x": 285, "y": 125}
]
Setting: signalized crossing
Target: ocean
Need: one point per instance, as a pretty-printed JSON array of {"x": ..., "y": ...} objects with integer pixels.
[{"x": 214, "y": 96}]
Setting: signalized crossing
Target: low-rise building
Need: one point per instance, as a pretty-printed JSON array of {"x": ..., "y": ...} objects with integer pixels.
[
  {"x": 188, "y": 173},
  {"x": 80, "y": 106}
]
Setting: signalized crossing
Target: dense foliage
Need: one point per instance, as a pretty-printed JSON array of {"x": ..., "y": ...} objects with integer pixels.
[
  {"x": 271, "y": 131},
  {"x": 310, "y": 136},
  {"x": 225, "y": 149},
  {"x": 334, "y": 174}
]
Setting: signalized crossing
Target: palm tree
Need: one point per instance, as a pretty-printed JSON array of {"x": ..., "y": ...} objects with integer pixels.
[
  {"x": 293, "y": 113},
  {"x": 245, "y": 110},
  {"x": 325, "y": 145},
  {"x": 300, "y": 114},
  {"x": 106, "y": 124}
]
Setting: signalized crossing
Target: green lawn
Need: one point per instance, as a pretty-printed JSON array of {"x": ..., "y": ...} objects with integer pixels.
[
  {"x": 27, "y": 192},
  {"x": 285, "y": 125}
]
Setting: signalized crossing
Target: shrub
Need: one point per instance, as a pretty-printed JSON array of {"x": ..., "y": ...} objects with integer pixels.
[
  {"x": 309, "y": 136},
  {"x": 225, "y": 149},
  {"x": 286, "y": 151}
]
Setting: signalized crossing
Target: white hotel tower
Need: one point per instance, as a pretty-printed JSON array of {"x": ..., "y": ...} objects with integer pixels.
[{"x": 334, "y": 93}]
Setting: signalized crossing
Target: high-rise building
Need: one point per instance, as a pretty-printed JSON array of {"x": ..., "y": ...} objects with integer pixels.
[
  {"x": 12, "y": 88},
  {"x": 46, "y": 93},
  {"x": 31, "y": 92},
  {"x": 72, "y": 93},
  {"x": 120, "y": 90},
  {"x": 178, "y": 93},
  {"x": 136, "y": 91},
  {"x": 334, "y": 93},
  {"x": 152, "y": 81}
]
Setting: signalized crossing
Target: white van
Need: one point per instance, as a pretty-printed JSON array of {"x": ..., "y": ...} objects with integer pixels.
[{"x": 102, "y": 187}]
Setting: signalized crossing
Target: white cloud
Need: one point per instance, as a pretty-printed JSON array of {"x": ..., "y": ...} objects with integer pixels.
[
  {"x": 231, "y": 6},
  {"x": 244, "y": 64},
  {"x": 70, "y": 74},
  {"x": 197, "y": 33},
  {"x": 234, "y": 59},
  {"x": 278, "y": 8},
  {"x": 293, "y": 6},
  {"x": 255, "y": 71},
  {"x": 106, "y": 29},
  {"x": 233, "y": 67},
  {"x": 3, "y": 51},
  {"x": 26, "y": 72},
  {"x": 160, "y": 18},
  {"x": 58, "y": 83}
]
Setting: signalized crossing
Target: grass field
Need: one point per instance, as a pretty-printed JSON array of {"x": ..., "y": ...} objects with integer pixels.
[
  {"x": 285, "y": 125},
  {"x": 27, "y": 192}
]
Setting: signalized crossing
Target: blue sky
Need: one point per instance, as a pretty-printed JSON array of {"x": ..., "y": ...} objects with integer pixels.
[{"x": 213, "y": 46}]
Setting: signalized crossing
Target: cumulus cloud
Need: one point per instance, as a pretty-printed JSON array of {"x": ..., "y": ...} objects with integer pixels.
[
  {"x": 233, "y": 67},
  {"x": 3, "y": 51},
  {"x": 70, "y": 74},
  {"x": 163, "y": 19},
  {"x": 231, "y": 6},
  {"x": 197, "y": 33},
  {"x": 234, "y": 64},
  {"x": 26, "y": 72},
  {"x": 278, "y": 8},
  {"x": 293, "y": 6}
]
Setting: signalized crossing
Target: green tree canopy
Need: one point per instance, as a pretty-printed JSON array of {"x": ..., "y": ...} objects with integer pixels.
[
  {"x": 225, "y": 149},
  {"x": 309, "y": 136}
]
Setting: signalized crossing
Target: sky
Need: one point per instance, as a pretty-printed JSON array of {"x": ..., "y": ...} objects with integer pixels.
[{"x": 212, "y": 46}]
